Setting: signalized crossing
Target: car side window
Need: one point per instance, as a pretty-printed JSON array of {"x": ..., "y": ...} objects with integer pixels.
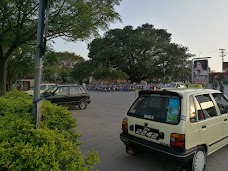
[
  {"x": 75, "y": 90},
  {"x": 192, "y": 111},
  {"x": 222, "y": 102},
  {"x": 50, "y": 86},
  {"x": 42, "y": 87},
  {"x": 82, "y": 89},
  {"x": 205, "y": 107},
  {"x": 62, "y": 91}
]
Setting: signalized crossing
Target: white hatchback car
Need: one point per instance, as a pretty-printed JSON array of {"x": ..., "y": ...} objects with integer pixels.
[
  {"x": 175, "y": 85},
  {"x": 43, "y": 87},
  {"x": 185, "y": 124}
]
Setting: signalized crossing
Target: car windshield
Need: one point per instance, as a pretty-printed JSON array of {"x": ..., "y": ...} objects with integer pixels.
[
  {"x": 51, "y": 89},
  {"x": 158, "y": 108},
  {"x": 170, "y": 85}
]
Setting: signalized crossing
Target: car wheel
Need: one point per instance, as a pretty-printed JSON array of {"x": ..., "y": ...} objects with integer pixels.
[
  {"x": 131, "y": 150},
  {"x": 82, "y": 105},
  {"x": 198, "y": 163}
]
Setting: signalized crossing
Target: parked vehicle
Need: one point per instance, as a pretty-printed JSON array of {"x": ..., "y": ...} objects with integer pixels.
[
  {"x": 195, "y": 86},
  {"x": 184, "y": 124},
  {"x": 68, "y": 95},
  {"x": 43, "y": 87},
  {"x": 175, "y": 85}
]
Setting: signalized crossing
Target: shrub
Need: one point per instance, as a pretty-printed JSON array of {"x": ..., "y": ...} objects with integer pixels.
[
  {"x": 53, "y": 147},
  {"x": 56, "y": 117},
  {"x": 15, "y": 102}
]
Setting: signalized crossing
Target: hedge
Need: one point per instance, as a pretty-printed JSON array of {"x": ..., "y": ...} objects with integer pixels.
[{"x": 54, "y": 146}]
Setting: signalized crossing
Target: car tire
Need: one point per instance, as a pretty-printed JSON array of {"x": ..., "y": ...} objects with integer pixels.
[
  {"x": 131, "y": 150},
  {"x": 198, "y": 162},
  {"x": 82, "y": 105}
]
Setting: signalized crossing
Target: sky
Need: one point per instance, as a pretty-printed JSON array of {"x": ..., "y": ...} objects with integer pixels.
[{"x": 200, "y": 25}]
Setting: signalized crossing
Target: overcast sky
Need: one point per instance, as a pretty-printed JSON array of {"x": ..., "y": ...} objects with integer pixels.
[{"x": 200, "y": 25}]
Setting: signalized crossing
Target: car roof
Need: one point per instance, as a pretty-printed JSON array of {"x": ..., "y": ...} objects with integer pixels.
[
  {"x": 191, "y": 91},
  {"x": 68, "y": 85},
  {"x": 180, "y": 91},
  {"x": 177, "y": 82},
  {"x": 47, "y": 84}
]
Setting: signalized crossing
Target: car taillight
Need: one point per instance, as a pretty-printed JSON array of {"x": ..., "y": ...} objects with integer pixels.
[
  {"x": 125, "y": 125},
  {"x": 177, "y": 140}
]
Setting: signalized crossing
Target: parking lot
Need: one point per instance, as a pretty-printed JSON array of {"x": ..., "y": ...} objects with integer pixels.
[{"x": 100, "y": 126}]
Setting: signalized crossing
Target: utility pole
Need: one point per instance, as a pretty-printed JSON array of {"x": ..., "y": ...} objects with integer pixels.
[
  {"x": 222, "y": 55},
  {"x": 42, "y": 31}
]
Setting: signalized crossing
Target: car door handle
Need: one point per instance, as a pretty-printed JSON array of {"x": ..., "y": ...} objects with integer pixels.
[
  {"x": 225, "y": 119},
  {"x": 132, "y": 127},
  {"x": 204, "y": 126}
]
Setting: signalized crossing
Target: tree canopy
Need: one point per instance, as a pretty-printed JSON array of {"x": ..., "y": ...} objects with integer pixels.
[
  {"x": 142, "y": 53},
  {"x": 21, "y": 64},
  {"x": 59, "y": 65},
  {"x": 70, "y": 19},
  {"x": 83, "y": 70}
]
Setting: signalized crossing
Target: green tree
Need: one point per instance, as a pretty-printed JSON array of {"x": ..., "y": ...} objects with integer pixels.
[
  {"x": 102, "y": 73},
  {"x": 106, "y": 73},
  {"x": 59, "y": 65},
  {"x": 142, "y": 53},
  {"x": 118, "y": 74},
  {"x": 70, "y": 19},
  {"x": 20, "y": 65},
  {"x": 83, "y": 70},
  {"x": 172, "y": 62}
]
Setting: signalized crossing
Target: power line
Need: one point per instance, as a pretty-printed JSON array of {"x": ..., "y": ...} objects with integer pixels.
[{"x": 222, "y": 55}]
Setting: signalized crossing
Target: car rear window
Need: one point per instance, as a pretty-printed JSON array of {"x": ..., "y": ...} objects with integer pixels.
[
  {"x": 42, "y": 87},
  {"x": 159, "y": 108}
]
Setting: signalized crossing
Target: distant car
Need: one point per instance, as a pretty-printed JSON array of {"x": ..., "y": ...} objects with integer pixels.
[
  {"x": 68, "y": 95},
  {"x": 175, "y": 85},
  {"x": 43, "y": 87},
  {"x": 195, "y": 86}
]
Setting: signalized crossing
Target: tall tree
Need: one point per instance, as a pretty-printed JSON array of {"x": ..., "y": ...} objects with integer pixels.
[
  {"x": 142, "y": 53},
  {"x": 69, "y": 19},
  {"x": 59, "y": 65},
  {"x": 83, "y": 70},
  {"x": 128, "y": 49},
  {"x": 21, "y": 64}
]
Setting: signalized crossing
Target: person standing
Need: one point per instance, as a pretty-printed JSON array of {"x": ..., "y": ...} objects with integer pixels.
[
  {"x": 221, "y": 86},
  {"x": 214, "y": 84}
]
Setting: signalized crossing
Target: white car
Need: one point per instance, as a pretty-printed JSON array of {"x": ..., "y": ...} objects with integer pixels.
[
  {"x": 183, "y": 124},
  {"x": 175, "y": 85},
  {"x": 43, "y": 87}
]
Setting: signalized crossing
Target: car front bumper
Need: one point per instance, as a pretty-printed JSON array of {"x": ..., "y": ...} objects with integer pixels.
[{"x": 88, "y": 101}]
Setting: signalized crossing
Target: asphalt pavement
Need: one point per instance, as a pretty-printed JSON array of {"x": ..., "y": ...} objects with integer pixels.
[{"x": 100, "y": 126}]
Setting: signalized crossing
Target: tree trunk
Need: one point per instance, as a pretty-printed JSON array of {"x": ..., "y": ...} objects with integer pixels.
[{"x": 3, "y": 66}]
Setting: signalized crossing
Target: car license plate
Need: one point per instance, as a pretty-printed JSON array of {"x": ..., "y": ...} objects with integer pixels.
[{"x": 147, "y": 132}]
